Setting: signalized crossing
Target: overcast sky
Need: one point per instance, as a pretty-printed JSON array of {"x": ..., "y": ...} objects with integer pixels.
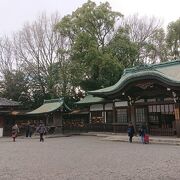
[{"x": 14, "y": 13}]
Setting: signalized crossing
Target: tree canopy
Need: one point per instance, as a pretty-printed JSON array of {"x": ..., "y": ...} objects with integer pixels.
[
  {"x": 89, "y": 30},
  {"x": 86, "y": 50}
]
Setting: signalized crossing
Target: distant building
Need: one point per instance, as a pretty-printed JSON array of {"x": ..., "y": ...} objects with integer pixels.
[
  {"x": 51, "y": 113},
  {"x": 6, "y": 109}
]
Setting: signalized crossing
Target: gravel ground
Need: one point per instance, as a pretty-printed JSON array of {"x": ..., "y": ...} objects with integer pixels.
[{"x": 87, "y": 158}]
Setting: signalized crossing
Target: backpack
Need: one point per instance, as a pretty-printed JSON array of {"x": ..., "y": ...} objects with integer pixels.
[{"x": 129, "y": 130}]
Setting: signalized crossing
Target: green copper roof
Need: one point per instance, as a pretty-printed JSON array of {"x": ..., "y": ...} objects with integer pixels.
[
  {"x": 7, "y": 102},
  {"x": 168, "y": 72},
  {"x": 89, "y": 99},
  {"x": 48, "y": 106}
]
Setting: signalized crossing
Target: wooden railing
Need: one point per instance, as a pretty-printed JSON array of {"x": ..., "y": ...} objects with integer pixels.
[
  {"x": 117, "y": 128},
  {"x": 162, "y": 132},
  {"x": 120, "y": 128}
]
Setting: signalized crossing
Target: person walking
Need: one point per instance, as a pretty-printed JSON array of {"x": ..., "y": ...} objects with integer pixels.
[
  {"x": 41, "y": 130},
  {"x": 29, "y": 130},
  {"x": 15, "y": 131},
  {"x": 130, "y": 131}
]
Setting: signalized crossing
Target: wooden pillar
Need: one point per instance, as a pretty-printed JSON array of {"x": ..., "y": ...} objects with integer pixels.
[
  {"x": 1, "y": 122},
  {"x": 47, "y": 120},
  {"x": 114, "y": 117},
  {"x": 147, "y": 119},
  {"x": 177, "y": 118},
  {"x": 104, "y": 114},
  {"x": 132, "y": 115},
  {"x": 90, "y": 121}
]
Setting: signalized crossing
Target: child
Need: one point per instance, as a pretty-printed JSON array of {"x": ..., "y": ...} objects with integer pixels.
[{"x": 15, "y": 131}]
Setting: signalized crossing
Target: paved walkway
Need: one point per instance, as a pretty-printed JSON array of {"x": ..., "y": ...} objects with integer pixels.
[
  {"x": 86, "y": 158},
  {"x": 122, "y": 137}
]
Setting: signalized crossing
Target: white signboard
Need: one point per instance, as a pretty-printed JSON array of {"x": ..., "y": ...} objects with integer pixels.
[
  {"x": 121, "y": 104},
  {"x": 140, "y": 100},
  {"x": 96, "y": 107},
  {"x": 151, "y": 100}
]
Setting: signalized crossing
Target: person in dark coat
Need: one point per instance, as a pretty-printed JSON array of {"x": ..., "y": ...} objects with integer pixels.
[
  {"x": 130, "y": 131},
  {"x": 29, "y": 130},
  {"x": 41, "y": 129}
]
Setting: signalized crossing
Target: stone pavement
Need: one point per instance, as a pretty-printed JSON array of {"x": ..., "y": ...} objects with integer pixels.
[
  {"x": 121, "y": 137},
  {"x": 86, "y": 158}
]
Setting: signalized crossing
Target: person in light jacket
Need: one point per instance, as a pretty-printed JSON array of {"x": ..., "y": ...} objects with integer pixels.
[
  {"x": 41, "y": 129},
  {"x": 15, "y": 131}
]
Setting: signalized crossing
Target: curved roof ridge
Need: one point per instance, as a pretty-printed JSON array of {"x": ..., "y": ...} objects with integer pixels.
[
  {"x": 8, "y": 102},
  {"x": 53, "y": 100},
  {"x": 90, "y": 99},
  {"x": 138, "y": 75},
  {"x": 145, "y": 67}
]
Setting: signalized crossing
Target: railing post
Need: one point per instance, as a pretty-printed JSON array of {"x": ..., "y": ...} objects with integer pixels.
[{"x": 177, "y": 118}]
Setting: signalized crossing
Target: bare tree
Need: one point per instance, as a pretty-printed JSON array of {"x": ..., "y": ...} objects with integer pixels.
[
  {"x": 142, "y": 30},
  {"x": 173, "y": 39},
  {"x": 37, "y": 48},
  {"x": 6, "y": 55}
]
